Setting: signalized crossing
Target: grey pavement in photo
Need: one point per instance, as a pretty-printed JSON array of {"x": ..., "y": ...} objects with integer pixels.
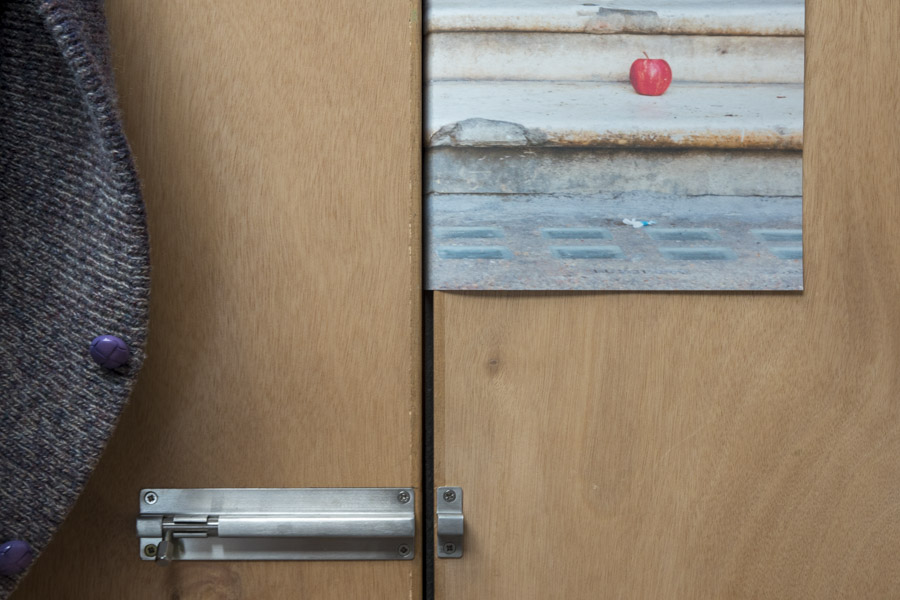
[
  {"x": 689, "y": 172},
  {"x": 529, "y": 56},
  {"x": 705, "y": 17},
  {"x": 611, "y": 115},
  {"x": 579, "y": 242}
]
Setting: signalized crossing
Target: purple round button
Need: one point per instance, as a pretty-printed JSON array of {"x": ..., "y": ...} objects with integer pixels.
[
  {"x": 15, "y": 556},
  {"x": 109, "y": 351}
]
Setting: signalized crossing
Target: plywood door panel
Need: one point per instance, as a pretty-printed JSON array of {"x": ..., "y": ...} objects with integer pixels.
[
  {"x": 278, "y": 147},
  {"x": 700, "y": 445}
]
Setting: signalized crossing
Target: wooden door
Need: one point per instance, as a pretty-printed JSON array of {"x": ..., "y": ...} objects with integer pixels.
[
  {"x": 278, "y": 145},
  {"x": 700, "y": 445}
]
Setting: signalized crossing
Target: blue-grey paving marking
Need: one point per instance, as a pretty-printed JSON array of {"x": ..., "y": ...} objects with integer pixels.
[
  {"x": 779, "y": 235},
  {"x": 579, "y": 252},
  {"x": 576, "y": 233},
  {"x": 565, "y": 242},
  {"x": 479, "y": 252},
  {"x": 467, "y": 232},
  {"x": 698, "y": 253},
  {"x": 791, "y": 253},
  {"x": 683, "y": 235}
]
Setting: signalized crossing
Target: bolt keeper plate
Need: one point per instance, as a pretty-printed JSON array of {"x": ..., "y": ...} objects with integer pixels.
[
  {"x": 277, "y": 524},
  {"x": 450, "y": 522}
]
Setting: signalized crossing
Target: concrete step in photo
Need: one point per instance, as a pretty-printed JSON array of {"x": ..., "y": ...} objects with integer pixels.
[
  {"x": 591, "y": 170},
  {"x": 580, "y": 242},
  {"x": 585, "y": 57},
  {"x": 612, "y": 115},
  {"x": 699, "y": 17}
]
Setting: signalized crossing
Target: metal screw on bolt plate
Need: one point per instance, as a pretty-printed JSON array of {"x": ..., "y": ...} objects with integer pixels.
[
  {"x": 150, "y": 550},
  {"x": 449, "y": 548},
  {"x": 404, "y": 550},
  {"x": 403, "y": 497},
  {"x": 151, "y": 497},
  {"x": 449, "y": 495}
]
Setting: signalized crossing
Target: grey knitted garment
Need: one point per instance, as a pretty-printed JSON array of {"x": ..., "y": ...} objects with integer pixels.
[{"x": 74, "y": 260}]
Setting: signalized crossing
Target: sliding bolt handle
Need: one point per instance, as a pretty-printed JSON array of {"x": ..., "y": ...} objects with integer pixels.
[{"x": 165, "y": 549}]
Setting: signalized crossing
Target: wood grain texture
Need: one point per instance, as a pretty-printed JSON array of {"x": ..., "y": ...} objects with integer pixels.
[
  {"x": 700, "y": 445},
  {"x": 278, "y": 144}
]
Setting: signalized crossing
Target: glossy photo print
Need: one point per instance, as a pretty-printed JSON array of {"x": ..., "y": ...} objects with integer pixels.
[{"x": 617, "y": 145}]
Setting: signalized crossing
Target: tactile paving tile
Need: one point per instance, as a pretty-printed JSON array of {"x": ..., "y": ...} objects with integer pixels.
[{"x": 551, "y": 242}]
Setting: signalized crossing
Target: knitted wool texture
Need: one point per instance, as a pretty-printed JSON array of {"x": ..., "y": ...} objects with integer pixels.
[{"x": 74, "y": 260}]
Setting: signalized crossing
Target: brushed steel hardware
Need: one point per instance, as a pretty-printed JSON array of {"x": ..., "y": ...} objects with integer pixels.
[
  {"x": 277, "y": 524},
  {"x": 450, "y": 522}
]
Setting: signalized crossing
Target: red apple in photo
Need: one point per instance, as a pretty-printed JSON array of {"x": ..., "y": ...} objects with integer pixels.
[{"x": 650, "y": 76}]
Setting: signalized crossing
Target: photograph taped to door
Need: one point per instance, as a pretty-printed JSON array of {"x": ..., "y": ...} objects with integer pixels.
[{"x": 622, "y": 145}]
